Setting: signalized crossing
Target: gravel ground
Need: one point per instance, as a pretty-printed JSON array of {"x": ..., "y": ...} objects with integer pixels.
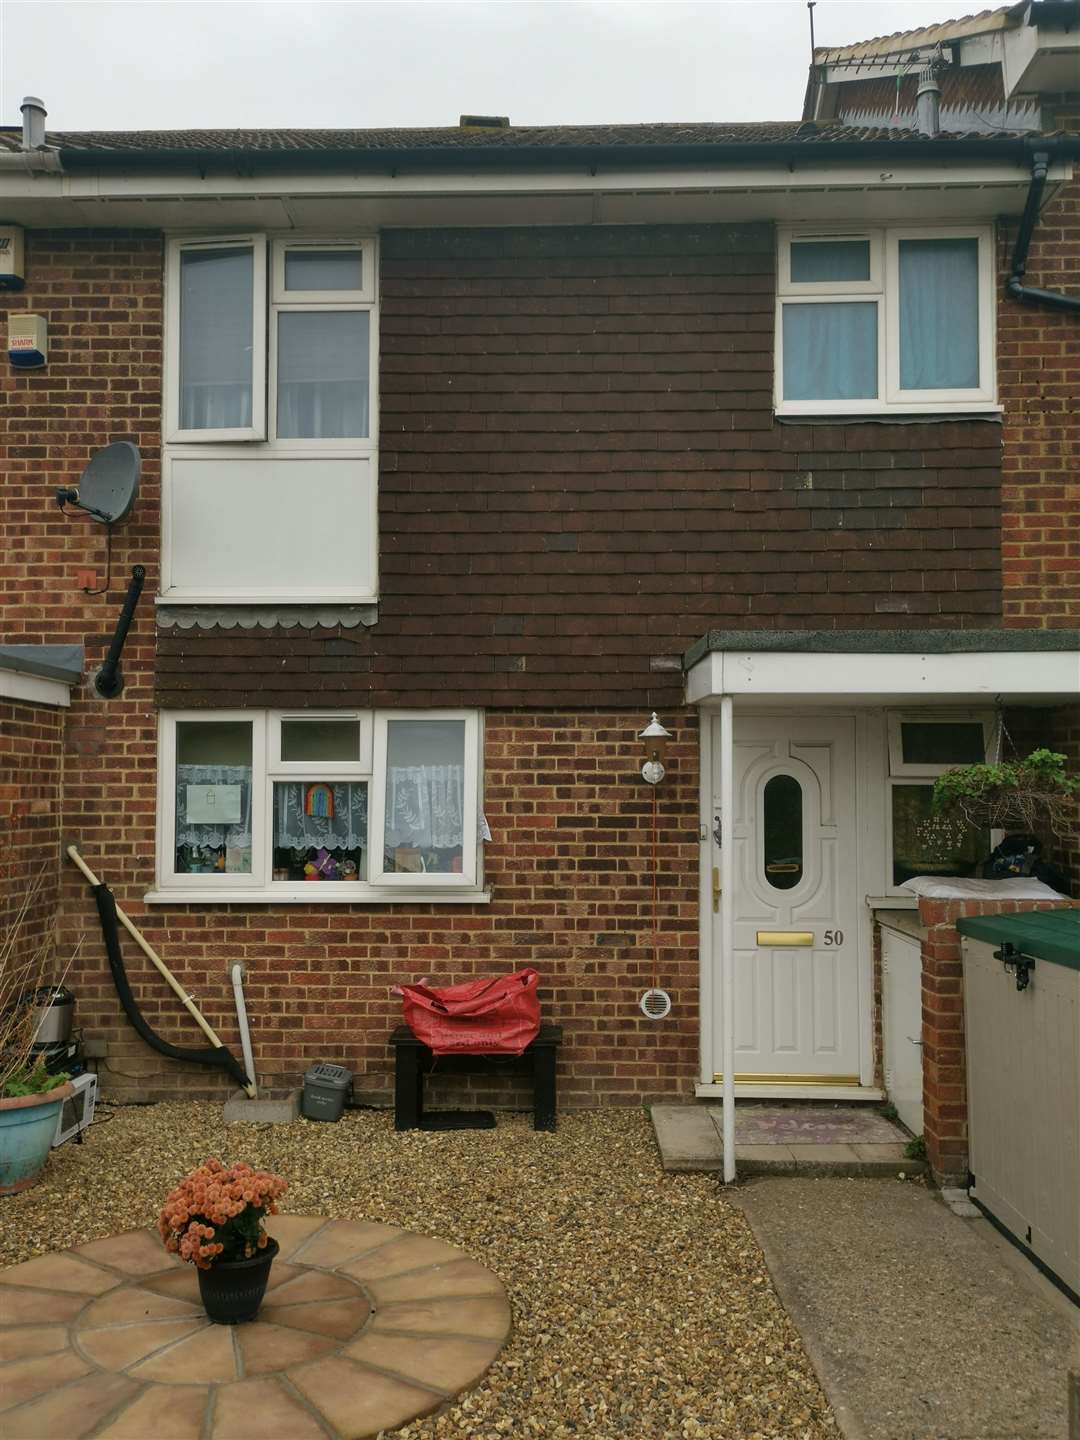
[{"x": 642, "y": 1305}]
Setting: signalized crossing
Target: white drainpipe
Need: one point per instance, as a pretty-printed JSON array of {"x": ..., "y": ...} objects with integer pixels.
[
  {"x": 242, "y": 1020},
  {"x": 727, "y": 929}
]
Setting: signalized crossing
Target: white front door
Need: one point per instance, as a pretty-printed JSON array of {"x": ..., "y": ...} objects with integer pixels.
[{"x": 795, "y": 901}]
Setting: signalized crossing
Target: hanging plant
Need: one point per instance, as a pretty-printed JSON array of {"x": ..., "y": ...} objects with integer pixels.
[{"x": 1034, "y": 794}]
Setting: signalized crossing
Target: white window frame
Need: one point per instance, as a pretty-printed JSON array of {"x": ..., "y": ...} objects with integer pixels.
[
  {"x": 174, "y": 433},
  {"x": 332, "y": 299},
  {"x": 167, "y": 874},
  {"x": 882, "y": 289},
  {"x": 899, "y": 768},
  {"x": 470, "y": 858},
  {"x": 267, "y": 767},
  {"x": 901, "y": 773}
]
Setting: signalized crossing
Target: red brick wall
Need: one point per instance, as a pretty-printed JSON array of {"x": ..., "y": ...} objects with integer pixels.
[
  {"x": 580, "y": 471},
  {"x": 1039, "y": 378},
  {"x": 945, "y": 1120},
  {"x": 570, "y": 867},
  {"x": 31, "y": 774}
]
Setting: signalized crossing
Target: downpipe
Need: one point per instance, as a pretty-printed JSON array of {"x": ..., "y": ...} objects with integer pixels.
[
  {"x": 1014, "y": 286},
  {"x": 237, "y": 971}
]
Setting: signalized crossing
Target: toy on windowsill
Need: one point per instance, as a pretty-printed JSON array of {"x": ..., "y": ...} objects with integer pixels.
[
  {"x": 310, "y": 872},
  {"x": 325, "y": 864},
  {"x": 349, "y": 870}
]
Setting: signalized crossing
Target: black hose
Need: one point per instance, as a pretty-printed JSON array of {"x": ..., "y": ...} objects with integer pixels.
[{"x": 219, "y": 1056}]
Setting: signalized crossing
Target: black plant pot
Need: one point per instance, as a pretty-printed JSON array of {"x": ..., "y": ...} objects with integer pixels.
[{"x": 232, "y": 1290}]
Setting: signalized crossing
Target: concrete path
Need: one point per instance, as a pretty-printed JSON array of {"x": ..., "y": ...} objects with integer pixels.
[
  {"x": 921, "y": 1325},
  {"x": 784, "y": 1140}
]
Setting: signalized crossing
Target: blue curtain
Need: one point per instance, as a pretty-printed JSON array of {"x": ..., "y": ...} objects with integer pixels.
[
  {"x": 814, "y": 262},
  {"x": 830, "y": 351},
  {"x": 939, "y": 314}
]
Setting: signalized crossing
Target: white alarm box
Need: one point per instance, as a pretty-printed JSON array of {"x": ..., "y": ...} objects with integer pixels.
[{"x": 77, "y": 1110}]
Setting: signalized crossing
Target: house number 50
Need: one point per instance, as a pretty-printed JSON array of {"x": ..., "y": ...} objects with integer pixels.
[{"x": 834, "y": 937}]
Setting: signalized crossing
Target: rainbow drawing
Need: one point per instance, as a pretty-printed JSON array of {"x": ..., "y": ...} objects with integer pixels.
[{"x": 319, "y": 801}]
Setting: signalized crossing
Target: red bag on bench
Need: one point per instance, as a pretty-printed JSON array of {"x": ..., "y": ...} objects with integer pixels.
[{"x": 498, "y": 1015}]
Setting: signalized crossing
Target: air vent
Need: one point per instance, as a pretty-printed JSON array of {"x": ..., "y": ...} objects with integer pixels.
[{"x": 484, "y": 122}]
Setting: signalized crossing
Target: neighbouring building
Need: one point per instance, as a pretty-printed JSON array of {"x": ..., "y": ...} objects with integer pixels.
[{"x": 465, "y": 449}]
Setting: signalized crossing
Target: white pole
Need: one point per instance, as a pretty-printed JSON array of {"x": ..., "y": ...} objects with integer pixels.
[
  {"x": 727, "y": 929},
  {"x": 237, "y": 972}
]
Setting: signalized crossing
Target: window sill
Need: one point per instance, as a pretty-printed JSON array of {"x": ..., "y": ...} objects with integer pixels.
[
  {"x": 325, "y": 894},
  {"x": 899, "y": 415}
]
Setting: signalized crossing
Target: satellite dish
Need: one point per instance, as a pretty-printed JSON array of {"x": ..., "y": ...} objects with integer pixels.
[{"x": 109, "y": 483}]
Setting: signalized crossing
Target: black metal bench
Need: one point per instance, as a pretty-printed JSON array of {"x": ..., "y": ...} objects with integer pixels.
[{"x": 413, "y": 1060}]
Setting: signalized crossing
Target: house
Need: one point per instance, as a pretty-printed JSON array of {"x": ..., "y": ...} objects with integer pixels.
[{"x": 464, "y": 450}]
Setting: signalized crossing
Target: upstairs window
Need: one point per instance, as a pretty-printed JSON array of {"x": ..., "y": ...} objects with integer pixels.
[
  {"x": 884, "y": 320},
  {"x": 277, "y": 347}
]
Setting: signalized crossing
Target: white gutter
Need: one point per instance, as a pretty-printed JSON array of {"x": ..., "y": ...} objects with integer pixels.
[
  {"x": 31, "y": 162},
  {"x": 237, "y": 972},
  {"x": 727, "y": 930}
]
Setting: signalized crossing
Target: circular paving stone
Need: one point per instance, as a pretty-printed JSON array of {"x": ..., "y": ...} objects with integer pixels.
[{"x": 363, "y": 1328}]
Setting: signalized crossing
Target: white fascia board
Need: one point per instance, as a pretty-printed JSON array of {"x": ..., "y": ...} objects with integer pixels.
[
  {"x": 1047, "y": 675},
  {"x": 37, "y": 689},
  {"x": 812, "y": 174}
]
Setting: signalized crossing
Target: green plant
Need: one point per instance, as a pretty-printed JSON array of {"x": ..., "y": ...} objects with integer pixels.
[
  {"x": 36, "y": 1081},
  {"x": 916, "y": 1149},
  {"x": 1033, "y": 794},
  {"x": 889, "y": 1111}
]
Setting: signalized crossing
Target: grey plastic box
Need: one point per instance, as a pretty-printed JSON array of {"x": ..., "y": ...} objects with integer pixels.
[{"x": 326, "y": 1088}]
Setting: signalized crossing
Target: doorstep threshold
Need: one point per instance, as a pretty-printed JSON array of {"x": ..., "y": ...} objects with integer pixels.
[{"x": 845, "y": 1094}]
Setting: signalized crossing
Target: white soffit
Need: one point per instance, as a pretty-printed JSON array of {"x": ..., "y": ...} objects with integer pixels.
[
  {"x": 1046, "y": 677},
  {"x": 884, "y": 190}
]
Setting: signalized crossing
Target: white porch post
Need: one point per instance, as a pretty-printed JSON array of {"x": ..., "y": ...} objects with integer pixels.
[{"x": 727, "y": 930}]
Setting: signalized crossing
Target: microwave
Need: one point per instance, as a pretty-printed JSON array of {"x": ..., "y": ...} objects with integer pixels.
[{"x": 77, "y": 1110}]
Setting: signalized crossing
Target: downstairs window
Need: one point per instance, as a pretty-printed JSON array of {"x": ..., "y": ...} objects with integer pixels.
[{"x": 269, "y": 805}]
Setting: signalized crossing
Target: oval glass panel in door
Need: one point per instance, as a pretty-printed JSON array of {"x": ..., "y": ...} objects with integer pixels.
[{"x": 782, "y": 831}]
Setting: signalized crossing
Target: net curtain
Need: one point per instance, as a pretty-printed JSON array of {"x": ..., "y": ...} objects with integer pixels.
[
  {"x": 346, "y": 829},
  {"x": 425, "y": 805},
  {"x": 200, "y": 833}
]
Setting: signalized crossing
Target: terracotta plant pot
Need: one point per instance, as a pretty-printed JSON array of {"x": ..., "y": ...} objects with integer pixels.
[
  {"x": 233, "y": 1290},
  {"x": 27, "y": 1130}
]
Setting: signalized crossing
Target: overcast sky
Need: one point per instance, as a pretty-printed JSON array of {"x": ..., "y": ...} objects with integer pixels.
[{"x": 150, "y": 65}]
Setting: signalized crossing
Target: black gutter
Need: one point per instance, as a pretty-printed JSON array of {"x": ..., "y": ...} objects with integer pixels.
[
  {"x": 1014, "y": 286},
  {"x": 533, "y": 157}
]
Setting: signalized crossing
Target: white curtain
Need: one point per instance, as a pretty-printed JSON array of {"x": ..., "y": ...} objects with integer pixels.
[
  {"x": 425, "y": 806},
  {"x": 322, "y": 375},
  {"x": 216, "y": 297},
  {"x": 238, "y": 834},
  {"x": 346, "y": 829}
]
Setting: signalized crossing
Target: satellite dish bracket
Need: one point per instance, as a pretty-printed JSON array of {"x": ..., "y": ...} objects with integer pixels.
[{"x": 107, "y": 490}]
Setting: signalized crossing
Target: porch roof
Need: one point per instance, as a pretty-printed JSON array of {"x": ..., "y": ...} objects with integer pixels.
[{"x": 886, "y": 666}]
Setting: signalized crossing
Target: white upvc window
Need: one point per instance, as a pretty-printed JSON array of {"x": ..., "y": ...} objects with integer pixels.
[
  {"x": 215, "y": 385},
  {"x": 885, "y": 320},
  {"x": 293, "y": 365},
  {"x": 922, "y": 746},
  {"x": 312, "y": 806},
  {"x": 270, "y": 463}
]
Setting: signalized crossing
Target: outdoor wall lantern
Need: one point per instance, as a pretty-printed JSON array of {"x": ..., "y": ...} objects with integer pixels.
[{"x": 654, "y": 738}]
